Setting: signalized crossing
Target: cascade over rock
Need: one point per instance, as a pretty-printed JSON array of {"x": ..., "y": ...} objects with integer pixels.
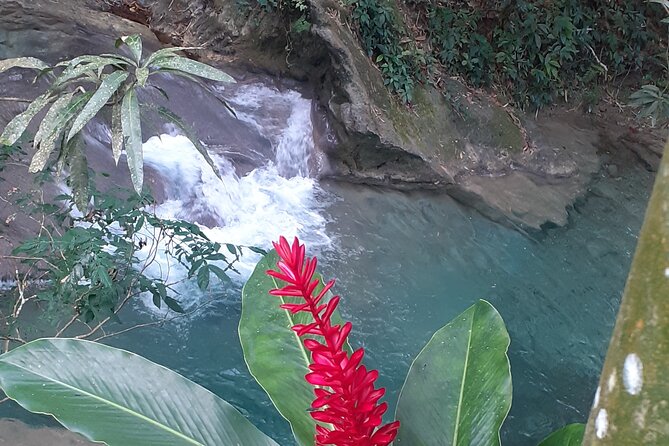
[
  {"x": 518, "y": 170},
  {"x": 515, "y": 169}
]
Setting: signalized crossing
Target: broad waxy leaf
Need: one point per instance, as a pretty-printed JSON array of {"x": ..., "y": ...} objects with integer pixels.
[
  {"x": 570, "y": 435},
  {"x": 275, "y": 355},
  {"x": 18, "y": 125},
  {"x": 133, "y": 42},
  {"x": 48, "y": 142},
  {"x": 107, "y": 89},
  {"x": 458, "y": 390},
  {"x": 132, "y": 136},
  {"x": 116, "y": 133},
  {"x": 23, "y": 62},
  {"x": 193, "y": 67},
  {"x": 46, "y": 128},
  {"x": 120, "y": 398},
  {"x": 190, "y": 134},
  {"x": 78, "y": 173}
]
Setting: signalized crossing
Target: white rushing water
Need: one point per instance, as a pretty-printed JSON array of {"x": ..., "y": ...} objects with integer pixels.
[{"x": 275, "y": 199}]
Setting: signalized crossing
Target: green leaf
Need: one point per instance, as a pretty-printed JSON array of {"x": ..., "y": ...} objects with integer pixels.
[
  {"x": 190, "y": 134},
  {"x": 23, "y": 62},
  {"x": 48, "y": 143},
  {"x": 92, "y": 63},
  {"x": 570, "y": 435},
  {"x": 193, "y": 67},
  {"x": 78, "y": 174},
  {"x": 142, "y": 74},
  {"x": 257, "y": 250},
  {"x": 134, "y": 42},
  {"x": 166, "y": 53},
  {"x": 47, "y": 128},
  {"x": 458, "y": 390},
  {"x": 220, "y": 273},
  {"x": 132, "y": 135},
  {"x": 107, "y": 89},
  {"x": 116, "y": 133},
  {"x": 203, "y": 277},
  {"x": 18, "y": 125},
  {"x": 173, "y": 304},
  {"x": 120, "y": 398},
  {"x": 52, "y": 117},
  {"x": 121, "y": 58},
  {"x": 275, "y": 355},
  {"x": 104, "y": 277}
]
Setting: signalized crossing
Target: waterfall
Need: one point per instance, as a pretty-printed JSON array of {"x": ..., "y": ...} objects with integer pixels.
[{"x": 277, "y": 198}]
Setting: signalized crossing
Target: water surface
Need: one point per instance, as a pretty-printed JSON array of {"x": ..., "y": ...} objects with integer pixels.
[{"x": 405, "y": 264}]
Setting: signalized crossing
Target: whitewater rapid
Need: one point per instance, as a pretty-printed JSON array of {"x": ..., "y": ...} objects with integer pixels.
[{"x": 277, "y": 198}]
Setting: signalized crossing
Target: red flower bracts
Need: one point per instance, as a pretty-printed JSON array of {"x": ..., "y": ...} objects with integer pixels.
[{"x": 346, "y": 400}]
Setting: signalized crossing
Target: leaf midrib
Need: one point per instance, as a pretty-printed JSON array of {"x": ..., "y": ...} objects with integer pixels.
[
  {"x": 291, "y": 321},
  {"x": 456, "y": 431},
  {"x": 110, "y": 403}
]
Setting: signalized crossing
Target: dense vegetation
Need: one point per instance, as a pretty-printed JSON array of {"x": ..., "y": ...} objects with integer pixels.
[{"x": 532, "y": 52}]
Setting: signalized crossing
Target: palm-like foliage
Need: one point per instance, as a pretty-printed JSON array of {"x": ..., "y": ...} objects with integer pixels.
[{"x": 83, "y": 86}]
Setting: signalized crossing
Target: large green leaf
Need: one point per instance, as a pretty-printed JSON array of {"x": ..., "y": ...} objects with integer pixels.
[
  {"x": 52, "y": 127},
  {"x": 458, "y": 390},
  {"x": 23, "y": 62},
  {"x": 570, "y": 435},
  {"x": 274, "y": 353},
  {"x": 18, "y": 125},
  {"x": 117, "y": 397},
  {"x": 107, "y": 89},
  {"x": 132, "y": 136},
  {"x": 193, "y": 67}
]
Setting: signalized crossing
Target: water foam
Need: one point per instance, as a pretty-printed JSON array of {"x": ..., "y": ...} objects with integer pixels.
[{"x": 276, "y": 199}]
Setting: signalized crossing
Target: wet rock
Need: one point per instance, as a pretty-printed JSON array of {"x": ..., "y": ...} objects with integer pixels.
[{"x": 451, "y": 138}]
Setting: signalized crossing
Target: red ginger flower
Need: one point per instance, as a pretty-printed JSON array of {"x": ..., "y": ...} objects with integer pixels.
[{"x": 345, "y": 395}]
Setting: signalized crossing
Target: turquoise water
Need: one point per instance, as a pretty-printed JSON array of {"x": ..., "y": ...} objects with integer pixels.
[{"x": 406, "y": 263}]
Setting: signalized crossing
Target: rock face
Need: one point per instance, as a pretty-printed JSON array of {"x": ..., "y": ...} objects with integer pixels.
[
  {"x": 455, "y": 138},
  {"x": 452, "y": 138}
]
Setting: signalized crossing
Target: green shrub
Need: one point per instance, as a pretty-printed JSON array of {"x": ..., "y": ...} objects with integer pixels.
[
  {"x": 460, "y": 47},
  {"x": 380, "y": 34},
  {"x": 539, "y": 50}
]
